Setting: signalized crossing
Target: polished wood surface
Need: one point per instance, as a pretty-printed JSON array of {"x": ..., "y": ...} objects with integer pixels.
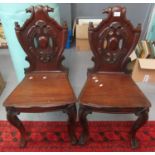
[
  {"x": 112, "y": 90},
  {"x": 43, "y": 40},
  {"x": 113, "y": 40},
  {"x": 46, "y": 85},
  {"x": 108, "y": 89},
  {"x": 42, "y": 89}
]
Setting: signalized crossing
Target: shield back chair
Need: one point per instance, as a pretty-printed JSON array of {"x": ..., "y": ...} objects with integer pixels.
[
  {"x": 46, "y": 85},
  {"x": 109, "y": 89}
]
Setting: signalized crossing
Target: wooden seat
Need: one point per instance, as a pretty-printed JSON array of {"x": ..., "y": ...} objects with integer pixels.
[
  {"x": 42, "y": 90},
  {"x": 112, "y": 90},
  {"x": 108, "y": 88},
  {"x": 46, "y": 85}
]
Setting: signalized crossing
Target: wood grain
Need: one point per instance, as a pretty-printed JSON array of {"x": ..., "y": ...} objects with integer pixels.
[
  {"x": 108, "y": 89},
  {"x": 42, "y": 89},
  {"x": 46, "y": 86}
]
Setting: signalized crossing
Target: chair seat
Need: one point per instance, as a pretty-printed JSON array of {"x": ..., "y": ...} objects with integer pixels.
[
  {"x": 112, "y": 90},
  {"x": 42, "y": 89}
]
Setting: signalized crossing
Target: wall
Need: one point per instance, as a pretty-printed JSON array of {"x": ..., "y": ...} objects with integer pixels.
[
  {"x": 137, "y": 13},
  {"x": 65, "y": 13},
  {"x": 151, "y": 29},
  {"x": 9, "y": 14}
]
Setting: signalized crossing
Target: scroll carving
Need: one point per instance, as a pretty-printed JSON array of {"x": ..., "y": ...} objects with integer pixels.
[
  {"x": 43, "y": 40},
  {"x": 113, "y": 40}
]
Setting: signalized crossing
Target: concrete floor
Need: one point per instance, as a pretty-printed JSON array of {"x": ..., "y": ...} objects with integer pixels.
[{"x": 77, "y": 62}]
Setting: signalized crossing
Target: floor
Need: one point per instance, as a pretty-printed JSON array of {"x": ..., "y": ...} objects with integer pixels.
[{"x": 77, "y": 62}]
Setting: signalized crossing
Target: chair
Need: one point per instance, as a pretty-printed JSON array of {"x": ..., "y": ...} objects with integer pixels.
[
  {"x": 109, "y": 89},
  {"x": 46, "y": 85}
]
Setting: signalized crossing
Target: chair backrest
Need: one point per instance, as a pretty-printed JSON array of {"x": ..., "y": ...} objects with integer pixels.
[
  {"x": 112, "y": 41},
  {"x": 43, "y": 40}
]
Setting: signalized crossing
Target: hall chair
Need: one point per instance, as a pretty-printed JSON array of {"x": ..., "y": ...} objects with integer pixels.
[
  {"x": 109, "y": 89},
  {"x": 46, "y": 86}
]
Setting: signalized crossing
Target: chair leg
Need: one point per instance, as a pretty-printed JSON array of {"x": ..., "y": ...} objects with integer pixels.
[
  {"x": 72, "y": 114},
  {"x": 14, "y": 120},
  {"x": 141, "y": 120},
  {"x": 83, "y": 112}
]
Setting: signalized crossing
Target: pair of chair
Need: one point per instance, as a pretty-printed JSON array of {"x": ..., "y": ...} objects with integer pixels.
[{"x": 46, "y": 85}]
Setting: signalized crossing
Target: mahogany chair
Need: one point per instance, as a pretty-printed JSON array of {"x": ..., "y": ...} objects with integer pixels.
[
  {"x": 108, "y": 88},
  {"x": 46, "y": 85}
]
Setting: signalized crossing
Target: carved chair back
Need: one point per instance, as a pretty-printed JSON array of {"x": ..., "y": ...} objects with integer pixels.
[
  {"x": 43, "y": 40},
  {"x": 112, "y": 41}
]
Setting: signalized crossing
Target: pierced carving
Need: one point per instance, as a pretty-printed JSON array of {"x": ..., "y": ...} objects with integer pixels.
[
  {"x": 113, "y": 40},
  {"x": 43, "y": 40}
]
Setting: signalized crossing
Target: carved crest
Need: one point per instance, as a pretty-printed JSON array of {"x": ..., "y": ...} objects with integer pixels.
[
  {"x": 113, "y": 40},
  {"x": 43, "y": 40}
]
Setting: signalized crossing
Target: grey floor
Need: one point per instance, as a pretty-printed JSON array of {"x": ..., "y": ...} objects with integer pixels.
[{"x": 77, "y": 62}]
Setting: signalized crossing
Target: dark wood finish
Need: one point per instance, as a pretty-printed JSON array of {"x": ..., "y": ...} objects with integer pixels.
[
  {"x": 141, "y": 120},
  {"x": 83, "y": 112},
  {"x": 108, "y": 89},
  {"x": 112, "y": 90},
  {"x": 112, "y": 41},
  {"x": 13, "y": 119},
  {"x": 45, "y": 40},
  {"x": 46, "y": 85},
  {"x": 72, "y": 113},
  {"x": 43, "y": 89}
]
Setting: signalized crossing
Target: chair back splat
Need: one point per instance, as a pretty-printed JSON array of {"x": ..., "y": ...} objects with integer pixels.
[
  {"x": 108, "y": 88},
  {"x": 43, "y": 40},
  {"x": 112, "y": 41},
  {"x": 46, "y": 86}
]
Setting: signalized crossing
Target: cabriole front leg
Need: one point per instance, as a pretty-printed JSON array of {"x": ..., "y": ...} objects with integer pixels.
[
  {"x": 13, "y": 119},
  {"x": 83, "y": 112},
  {"x": 72, "y": 114},
  {"x": 141, "y": 120}
]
